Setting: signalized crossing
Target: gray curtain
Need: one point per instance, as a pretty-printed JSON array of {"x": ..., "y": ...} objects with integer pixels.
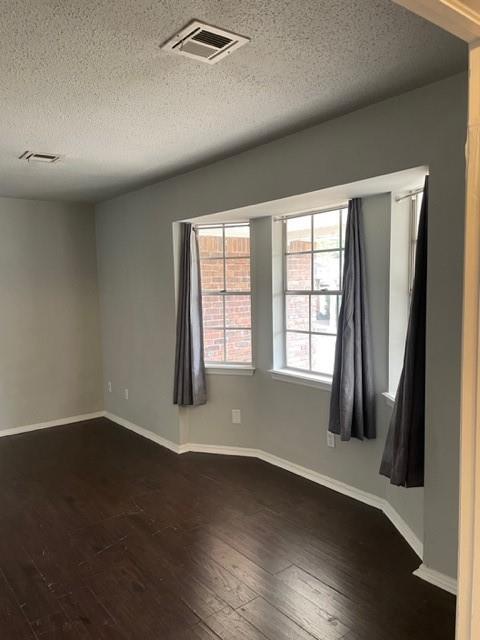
[
  {"x": 403, "y": 457},
  {"x": 352, "y": 401},
  {"x": 190, "y": 381}
]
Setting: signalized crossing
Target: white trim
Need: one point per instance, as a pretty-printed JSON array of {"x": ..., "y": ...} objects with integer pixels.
[
  {"x": 389, "y": 398},
  {"x": 319, "y": 478},
  {"x": 430, "y": 575},
  {"x": 403, "y": 528},
  {"x": 11, "y": 431},
  {"x": 305, "y": 379},
  {"x": 348, "y": 490},
  {"x": 304, "y": 472},
  {"x": 163, "y": 442},
  {"x": 230, "y": 370},
  {"x": 245, "y": 452},
  {"x": 436, "y": 578},
  {"x": 326, "y": 481}
]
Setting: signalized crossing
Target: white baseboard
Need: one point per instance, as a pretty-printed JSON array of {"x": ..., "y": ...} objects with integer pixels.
[
  {"x": 304, "y": 472},
  {"x": 326, "y": 481},
  {"x": 245, "y": 452},
  {"x": 436, "y": 578},
  {"x": 309, "y": 474},
  {"x": 49, "y": 424},
  {"x": 426, "y": 573},
  {"x": 168, "y": 444},
  {"x": 401, "y": 526}
]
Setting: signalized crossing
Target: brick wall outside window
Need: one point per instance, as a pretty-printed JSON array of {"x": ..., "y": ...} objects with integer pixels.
[{"x": 226, "y": 299}]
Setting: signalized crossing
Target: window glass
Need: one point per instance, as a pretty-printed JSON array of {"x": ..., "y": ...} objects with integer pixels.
[
  {"x": 226, "y": 293},
  {"x": 313, "y": 261},
  {"x": 299, "y": 234}
]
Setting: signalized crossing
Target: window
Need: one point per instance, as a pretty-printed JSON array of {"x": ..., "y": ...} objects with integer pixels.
[
  {"x": 405, "y": 216},
  {"x": 415, "y": 208},
  {"x": 226, "y": 293},
  {"x": 313, "y": 264}
]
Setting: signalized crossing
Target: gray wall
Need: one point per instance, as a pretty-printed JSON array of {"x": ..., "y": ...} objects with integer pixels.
[
  {"x": 294, "y": 418},
  {"x": 423, "y": 127},
  {"x": 50, "y": 364}
]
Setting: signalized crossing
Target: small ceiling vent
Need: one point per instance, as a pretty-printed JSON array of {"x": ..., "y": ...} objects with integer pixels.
[
  {"x": 203, "y": 42},
  {"x": 32, "y": 156}
]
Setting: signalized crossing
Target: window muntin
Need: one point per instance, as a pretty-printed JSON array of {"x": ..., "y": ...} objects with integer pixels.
[
  {"x": 226, "y": 293},
  {"x": 313, "y": 265}
]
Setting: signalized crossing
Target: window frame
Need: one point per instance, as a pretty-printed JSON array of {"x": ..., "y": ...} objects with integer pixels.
[
  {"x": 413, "y": 236},
  {"x": 229, "y": 365},
  {"x": 342, "y": 208}
]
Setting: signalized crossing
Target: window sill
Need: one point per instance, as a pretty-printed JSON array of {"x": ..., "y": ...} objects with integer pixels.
[
  {"x": 305, "y": 379},
  {"x": 230, "y": 370},
  {"x": 389, "y": 398}
]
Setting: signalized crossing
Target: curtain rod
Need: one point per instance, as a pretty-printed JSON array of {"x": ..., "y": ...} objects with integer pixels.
[
  {"x": 410, "y": 194},
  {"x": 287, "y": 216}
]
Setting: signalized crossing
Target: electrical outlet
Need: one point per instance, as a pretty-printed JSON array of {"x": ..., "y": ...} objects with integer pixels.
[
  {"x": 236, "y": 416},
  {"x": 109, "y": 387},
  {"x": 330, "y": 439},
  {"x": 126, "y": 394}
]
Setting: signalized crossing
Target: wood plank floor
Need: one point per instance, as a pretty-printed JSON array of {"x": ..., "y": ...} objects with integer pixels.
[{"x": 105, "y": 535}]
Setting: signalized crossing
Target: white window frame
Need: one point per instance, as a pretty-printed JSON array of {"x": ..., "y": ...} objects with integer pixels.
[
  {"x": 229, "y": 366},
  {"x": 414, "y": 220},
  {"x": 405, "y": 215},
  {"x": 309, "y": 375}
]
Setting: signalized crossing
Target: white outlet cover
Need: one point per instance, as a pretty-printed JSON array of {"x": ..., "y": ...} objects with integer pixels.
[
  {"x": 330, "y": 439},
  {"x": 236, "y": 416},
  {"x": 126, "y": 394}
]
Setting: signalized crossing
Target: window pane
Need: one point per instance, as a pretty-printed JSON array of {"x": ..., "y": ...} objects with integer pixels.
[
  {"x": 238, "y": 274},
  {"x": 237, "y": 241},
  {"x": 324, "y": 313},
  {"x": 238, "y": 311},
  {"x": 210, "y": 242},
  {"x": 214, "y": 348},
  {"x": 326, "y": 230},
  {"x": 299, "y": 234},
  {"x": 344, "y": 225},
  {"x": 326, "y": 270},
  {"x": 297, "y": 350},
  {"x": 212, "y": 275},
  {"x": 299, "y": 272},
  {"x": 297, "y": 312},
  {"x": 418, "y": 208},
  {"x": 323, "y": 353},
  {"x": 239, "y": 346},
  {"x": 212, "y": 307}
]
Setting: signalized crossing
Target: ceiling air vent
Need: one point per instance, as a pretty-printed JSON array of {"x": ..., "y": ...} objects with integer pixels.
[
  {"x": 32, "y": 156},
  {"x": 203, "y": 42}
]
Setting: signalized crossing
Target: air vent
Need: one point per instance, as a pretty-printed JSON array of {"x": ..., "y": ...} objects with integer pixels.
[
  {"x": 203, "y": 42},
  {"x": 32, "y": 156}
]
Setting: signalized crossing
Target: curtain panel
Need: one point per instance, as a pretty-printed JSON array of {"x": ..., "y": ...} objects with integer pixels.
[
  {"x": 352, "y": 400},
  {"x": 190, "y": 388},
  {"x": 404, "y": 454}
]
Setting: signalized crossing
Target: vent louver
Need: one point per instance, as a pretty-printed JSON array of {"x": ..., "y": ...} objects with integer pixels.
[
  {"x": 213, "y": 39},
  {"x": 203, "y": 42},
  {"x": 32, "y": 156}
]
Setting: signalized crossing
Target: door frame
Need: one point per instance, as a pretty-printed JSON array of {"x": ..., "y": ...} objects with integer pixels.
[{"x": 462, "y": 19}]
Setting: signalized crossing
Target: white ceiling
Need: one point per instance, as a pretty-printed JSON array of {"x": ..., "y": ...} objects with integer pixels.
[{"x": 86, "y": 79}]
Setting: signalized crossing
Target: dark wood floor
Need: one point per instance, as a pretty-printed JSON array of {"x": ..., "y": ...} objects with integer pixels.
[{"x": 105, "y": 535}]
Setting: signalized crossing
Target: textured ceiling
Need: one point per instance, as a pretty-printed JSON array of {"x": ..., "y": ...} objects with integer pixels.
[{"x": 86, "y": 79}]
